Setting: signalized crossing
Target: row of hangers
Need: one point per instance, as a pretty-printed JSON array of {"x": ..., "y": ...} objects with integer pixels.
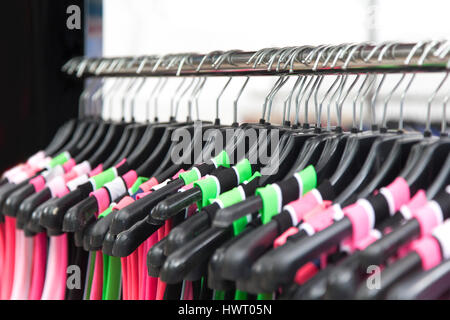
[{"x": 234, "y": 227}]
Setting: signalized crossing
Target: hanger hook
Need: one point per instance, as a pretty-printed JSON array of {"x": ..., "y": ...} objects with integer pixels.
[
  {"x": 293, "y": 58},
  {"x": 226, "y": 55},
  {"x": 263, "y": 116},
  {"x": 416, "y": 47},
  {"x": 285, "y": 56},
  {"x": 340, "y": 101},
  {"x": 197, "y": 95},
  {"x": 206, "y": 56},
  {"x": 331, "y": 53},
  {"x": 319, "y": 117},
  {"x": 180, "y": 97},
  {"x": 156, "y": 97},
  {"x": 280, "y": 85},
  {"x": 174, "y": 111},
  {"x": 430, "y": 45},
  {"x": 444, "y": 115},
  {"x": 355, "y": 101},
  {"x": 301, "y": 93},
  {"x": 338, "y": 104},
  {"x": 148, "y": 104},
  {"x": 384, "y": 48},
  {"x": 191, "y": 97},
  {"x": 82, "y": 66},
  {"x": 84, "y": 97},
  {"x": 427, "y": 132},
  {"x": 172, "y": 99},
  {"x": 363, "y": 98},
  {"x": 273, "y": 57},
  {"x": 235, "y": 102},
  {"x": 313, "y": 88},
  {"x": 256, "y": 56},
  {"x": 99, "y": 92},
  {"x": 341, "y": 53},
  {"x": 288, "y": 102}
]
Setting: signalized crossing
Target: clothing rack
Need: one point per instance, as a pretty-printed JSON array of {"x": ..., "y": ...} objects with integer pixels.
[{"x": 388, "y": 57}]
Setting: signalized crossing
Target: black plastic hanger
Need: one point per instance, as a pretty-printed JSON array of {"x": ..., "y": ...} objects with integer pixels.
[
  {"x": 260, "y": 241},
  {"x": 391, "y": 167},
  {"x": 77, "y": 217},
  {"x": 62, "y": 136},
  {"x": 427, "y": 285},
  {"x": 236, "y": 140},
  {"x": 127, "y": 142},
  {"x": 136, "y": 235},
  {"x": 441, "y": 180},
  {"x": 378, "y": 153},
  {"x": 54, "y": 221}
]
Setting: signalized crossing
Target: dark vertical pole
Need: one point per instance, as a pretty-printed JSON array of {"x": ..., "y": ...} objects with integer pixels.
[{"x": 36, "y": 97}]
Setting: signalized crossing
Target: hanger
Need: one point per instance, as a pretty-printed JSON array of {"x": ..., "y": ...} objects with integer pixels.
[
  {"x": 335, "y": 145},
  {"x": 156, "y": 135},
  {"x": 292, "y": 141},
  {"x": 443, "y": 177},
  {"x": 411, "y": 228},
  {"x": 199, "y": 222},
  {"x": 212, "y": 234},
  {"x": 307, "y": 250},
  {"x": 336, "y": 285},
  {"x": 29, "y": 204},
  {"x": 238, "y": 259},
  {"x": 377, "y": 252},
  {"x": 17, "y": 196},
  {"x": 78, "y": 216},
  {"x": 137, "y": 211},
  {"x": 254, "y": 204},
  {"x": 401, "y": 149},
  {"x": 172, "y": 205},
  {"x": 412, "y": 262},
  {"x": 172, "y": 271},
  {"x": 52, "y": 216},
  {"x": 68, "y": 129},
  {"x": 87, "y": 123},
  {"x": 130, "y": 137},
  {"x": 379, "y": 152},
  {"x": 313, "y": 148},
  {"x": 61, "y": 137},
  {"x": 83, "y": 213},
  {"x": 427, "y": 164},
  {"x": 428, "y": 285},
  {"x": 194, "y": 194},
  {"x": 128, "y": 240},
  {"x": 358, "y": 145}
]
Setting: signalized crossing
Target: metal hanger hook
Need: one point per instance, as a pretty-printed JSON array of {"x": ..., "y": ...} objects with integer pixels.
[
  {"x": 288, "y": 101},
  {"x": 280, "y": 85},
  {"x": 180, "y": 97},
  {"x": 263, "y": 116},
  {"x": 319, "y": 116},
  {"x": 235, "y": 102}
]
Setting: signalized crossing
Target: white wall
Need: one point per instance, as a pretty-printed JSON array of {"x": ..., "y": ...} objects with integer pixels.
[{"x": 136, "y": 27}]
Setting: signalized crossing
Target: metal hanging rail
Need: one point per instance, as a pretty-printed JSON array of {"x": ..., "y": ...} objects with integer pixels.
[{"x": 430, "y": 56}]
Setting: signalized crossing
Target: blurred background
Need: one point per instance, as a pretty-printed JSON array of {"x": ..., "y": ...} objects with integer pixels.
[{"x": 37, "y": 97}]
